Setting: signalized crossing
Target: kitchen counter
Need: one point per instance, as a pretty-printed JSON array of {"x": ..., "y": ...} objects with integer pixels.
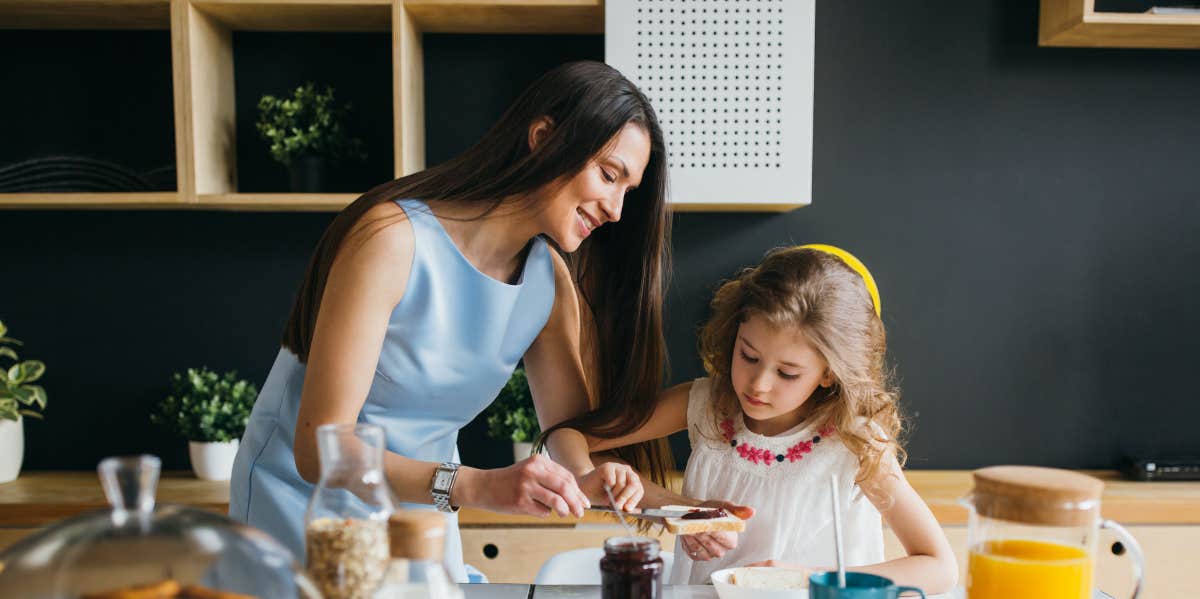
[
  {"x": 524, "y": 591},
  {"x": 1164, "y": 516},
  {"x": 38, "y": 498}
]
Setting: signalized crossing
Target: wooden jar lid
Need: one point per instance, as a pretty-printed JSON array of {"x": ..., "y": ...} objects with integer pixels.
[
  {"x": 1035, "y": 495},
  {"x": 417, "y": 534}
]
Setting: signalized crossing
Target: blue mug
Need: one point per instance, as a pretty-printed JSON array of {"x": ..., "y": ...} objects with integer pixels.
[{"x": 859, "y": 585}]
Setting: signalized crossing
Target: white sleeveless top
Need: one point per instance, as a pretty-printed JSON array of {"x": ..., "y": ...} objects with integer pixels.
[{"x": 786, "y": 480}]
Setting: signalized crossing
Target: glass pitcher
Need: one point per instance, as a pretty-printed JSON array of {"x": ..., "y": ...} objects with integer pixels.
[
  {"x": 346, "y": 525},
  {"x": 1032, "y": 534}
]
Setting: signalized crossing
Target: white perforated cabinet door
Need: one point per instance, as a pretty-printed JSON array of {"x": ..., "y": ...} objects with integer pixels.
[{"x": 732, "y": 83}]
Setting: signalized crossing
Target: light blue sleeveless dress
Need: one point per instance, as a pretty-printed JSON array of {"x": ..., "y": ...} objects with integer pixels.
[{"x": 451, "y": 344}]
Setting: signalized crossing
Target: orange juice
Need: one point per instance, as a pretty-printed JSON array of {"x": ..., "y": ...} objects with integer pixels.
[{"x": 1029, "y": 570}]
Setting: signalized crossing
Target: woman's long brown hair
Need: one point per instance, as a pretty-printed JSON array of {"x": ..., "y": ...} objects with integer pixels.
[{"x": 620, "y": 271}]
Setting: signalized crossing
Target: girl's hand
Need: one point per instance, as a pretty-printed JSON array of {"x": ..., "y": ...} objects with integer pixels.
[
  {"x": 623, "y": 480},
  {"x": 786, "y": 565},
  {"x": 711, "y": 545},
  {"x": 536, "y": 486}
]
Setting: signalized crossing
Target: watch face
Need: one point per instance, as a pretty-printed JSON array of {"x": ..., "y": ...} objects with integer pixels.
[{"x": 442, "y": 481}]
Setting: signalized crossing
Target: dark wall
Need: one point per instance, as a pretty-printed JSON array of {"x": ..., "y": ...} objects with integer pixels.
[{"x": 1029, "y": 214}]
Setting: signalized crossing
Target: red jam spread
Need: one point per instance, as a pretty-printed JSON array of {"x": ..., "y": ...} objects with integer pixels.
[
  {"x": 704, "y": 514},
  {"x": 631, "y": 569}
]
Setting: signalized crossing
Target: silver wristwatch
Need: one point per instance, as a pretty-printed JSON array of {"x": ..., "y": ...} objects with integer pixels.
[{"x": 443, "y": 482}]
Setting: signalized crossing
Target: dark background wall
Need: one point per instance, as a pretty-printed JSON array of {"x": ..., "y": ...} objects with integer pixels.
[{"x": 1029, "y": 213}]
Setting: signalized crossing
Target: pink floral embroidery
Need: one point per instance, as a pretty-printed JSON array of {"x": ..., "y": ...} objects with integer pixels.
[
  {"x": 756, "y": 455},
  {"x": 727, "y": 429}
]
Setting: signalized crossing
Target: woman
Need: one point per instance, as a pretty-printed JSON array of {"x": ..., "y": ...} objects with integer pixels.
[{"x": 424, "y": 293}]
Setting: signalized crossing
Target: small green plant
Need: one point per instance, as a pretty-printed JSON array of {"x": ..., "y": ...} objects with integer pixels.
[
  {"x": 512, "y": 417},
  {"x": 308, "y": 123},
  {"x": 206, "y": 407},
  {"x": 15, "y": 390}
]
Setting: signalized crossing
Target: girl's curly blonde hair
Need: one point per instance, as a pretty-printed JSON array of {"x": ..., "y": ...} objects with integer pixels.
[{"x": 828, "y": 302}]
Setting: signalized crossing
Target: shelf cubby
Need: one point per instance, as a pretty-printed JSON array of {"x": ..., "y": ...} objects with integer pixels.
[{"x": 1077, "y": 23}]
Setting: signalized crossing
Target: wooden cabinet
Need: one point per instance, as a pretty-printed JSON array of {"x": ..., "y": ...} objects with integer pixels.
[
  {"x": 1076, "y": 23},
  {"x": 203, "y": 67}
]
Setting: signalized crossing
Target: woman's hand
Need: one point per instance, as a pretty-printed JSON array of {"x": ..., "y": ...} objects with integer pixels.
[
  {"x": 622, "y": 479},
  {"x": 711, "y": 545},
  {"x": 536, "y": 486}
]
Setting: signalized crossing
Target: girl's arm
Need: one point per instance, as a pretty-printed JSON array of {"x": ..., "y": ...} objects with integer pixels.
[
  {"x": 669, "y": 416},
  {"x": 366, "y": 282},
  {"x": 930, "y": 563},
  {"x": 554, "y": 367}
]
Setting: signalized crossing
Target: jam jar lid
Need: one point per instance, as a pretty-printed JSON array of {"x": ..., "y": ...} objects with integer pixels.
[
  {"x": 644, "y": 548},
  {"x": 134, "y": 544}
]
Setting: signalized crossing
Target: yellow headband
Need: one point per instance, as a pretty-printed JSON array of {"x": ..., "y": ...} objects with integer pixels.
[{"x": 858, "y": 267}]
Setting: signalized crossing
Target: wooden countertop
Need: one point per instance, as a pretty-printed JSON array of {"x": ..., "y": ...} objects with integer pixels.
[{"x": 38, "y": 498}]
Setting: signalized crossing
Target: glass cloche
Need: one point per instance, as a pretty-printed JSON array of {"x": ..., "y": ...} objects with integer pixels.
[{"x": 138, "y": 549}]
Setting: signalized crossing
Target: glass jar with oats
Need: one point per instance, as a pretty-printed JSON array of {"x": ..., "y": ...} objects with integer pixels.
[{"x": 346, "y": 525}]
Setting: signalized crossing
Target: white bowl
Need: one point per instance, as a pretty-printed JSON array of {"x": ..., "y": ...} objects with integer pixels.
[{"x": 728, "y": 590}]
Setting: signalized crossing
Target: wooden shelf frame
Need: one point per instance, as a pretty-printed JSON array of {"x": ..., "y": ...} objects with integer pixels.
[
  {"x": 1075, "y": 23},
  {"x": 203, "y": 80}
]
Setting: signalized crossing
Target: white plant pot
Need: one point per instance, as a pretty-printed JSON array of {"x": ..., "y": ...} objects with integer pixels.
[
  {"x": 12, "y": 448},
  {"x": 213, "y": 461},
  {"x": 521, "y": 450}
]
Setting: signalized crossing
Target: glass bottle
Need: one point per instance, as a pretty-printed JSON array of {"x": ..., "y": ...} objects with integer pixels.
[
  {"x": 346, "y": 522},
  {"x": 417, "y": 570},
  {"x": 631, "y": 569}
]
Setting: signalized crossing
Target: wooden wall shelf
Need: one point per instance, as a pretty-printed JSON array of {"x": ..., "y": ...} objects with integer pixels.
[
  {"x": 300, "y": 15},
  {"x": 203, "y": 80},
  {"x": 277, "y": 202},
  {"x": 85, "y": 14},
  {"x": 1075, "y": 23},
  {"x": 60, "y": 201},
  {"x": 508, "y": 16}
]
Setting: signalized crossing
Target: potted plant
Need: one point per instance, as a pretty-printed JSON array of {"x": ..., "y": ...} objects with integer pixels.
[
  {"x": 306, "y": 131},
  {"x": 18, "y": 398},
  {"x": 210, "y": 411},
  {"x": 511, "y": 416}
]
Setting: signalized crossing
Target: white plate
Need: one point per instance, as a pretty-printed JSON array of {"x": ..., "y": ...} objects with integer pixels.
[{"x": 727, "y": 590}]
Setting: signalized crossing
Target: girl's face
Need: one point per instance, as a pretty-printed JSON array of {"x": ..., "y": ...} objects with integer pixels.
[
  {"x": 774, "y": 373},
  {"x": 596, "y": 194}
]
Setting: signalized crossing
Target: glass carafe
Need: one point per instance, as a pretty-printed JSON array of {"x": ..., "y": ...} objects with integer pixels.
[
  {"x": 1032, "y": 534},
  {"x": 417, "y": 570},
  {"x": 346, "y": 523}
]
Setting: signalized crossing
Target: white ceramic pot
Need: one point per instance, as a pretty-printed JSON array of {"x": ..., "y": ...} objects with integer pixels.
[
  {"x": 213, "y": 461},
  {"x": 521, "y": 450},
  {"x": 12, "y": 448}
]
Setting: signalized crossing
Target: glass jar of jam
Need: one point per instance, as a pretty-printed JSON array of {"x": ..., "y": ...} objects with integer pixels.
[{"x": 631, "y": 569}]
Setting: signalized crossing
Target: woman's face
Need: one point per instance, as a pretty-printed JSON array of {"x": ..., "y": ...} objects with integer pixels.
[{"x": 596, "y": 194}]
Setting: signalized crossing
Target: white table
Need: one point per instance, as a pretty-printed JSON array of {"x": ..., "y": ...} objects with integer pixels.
[{"x": 525, "y": 591}]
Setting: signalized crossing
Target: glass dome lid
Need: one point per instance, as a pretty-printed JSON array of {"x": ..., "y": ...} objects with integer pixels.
[{"x": 138, "y": 549}]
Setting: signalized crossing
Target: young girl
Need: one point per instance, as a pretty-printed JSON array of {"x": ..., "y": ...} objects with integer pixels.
[{"x": 797, "y": 391}]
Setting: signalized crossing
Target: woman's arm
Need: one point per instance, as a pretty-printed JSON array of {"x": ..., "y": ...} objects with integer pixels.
[
  {"x": 554, "y": 367},
  {"x": 366, "y": 282}
]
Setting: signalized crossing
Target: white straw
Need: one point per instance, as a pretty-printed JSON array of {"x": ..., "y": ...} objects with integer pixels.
[{"x": 837, "y": 530}]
